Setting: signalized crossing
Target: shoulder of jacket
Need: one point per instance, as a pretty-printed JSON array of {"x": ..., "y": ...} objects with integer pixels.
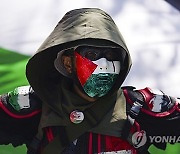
[
  {"x": 152, "y": 100},
  {"x": 22, "y": 101}
]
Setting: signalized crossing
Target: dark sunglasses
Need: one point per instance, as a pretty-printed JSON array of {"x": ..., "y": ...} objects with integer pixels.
[{"x": 95, "y": 53}]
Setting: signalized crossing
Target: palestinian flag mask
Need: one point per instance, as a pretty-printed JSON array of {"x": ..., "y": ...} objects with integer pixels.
[{"x": 97, "y": 69}]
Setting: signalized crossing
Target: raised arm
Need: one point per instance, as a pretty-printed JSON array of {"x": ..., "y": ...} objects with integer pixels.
[{"x": 20, "y": 112}]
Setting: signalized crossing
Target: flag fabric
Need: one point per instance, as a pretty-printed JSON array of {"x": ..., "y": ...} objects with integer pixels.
[
  {"x": 12, "y": 70},
  {"x": 12, "y": 75},
  {"x": 150, "y": 28}
]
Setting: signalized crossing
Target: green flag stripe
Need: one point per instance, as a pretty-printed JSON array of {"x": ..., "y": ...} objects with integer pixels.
[{"x": 12, "y": 70}]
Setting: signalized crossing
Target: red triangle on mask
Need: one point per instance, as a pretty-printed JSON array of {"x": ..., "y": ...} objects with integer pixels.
[{"x": 84, "y": 68}]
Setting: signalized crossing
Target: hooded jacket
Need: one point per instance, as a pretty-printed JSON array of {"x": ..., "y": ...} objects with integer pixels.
[{"x": 87, "y": 26}]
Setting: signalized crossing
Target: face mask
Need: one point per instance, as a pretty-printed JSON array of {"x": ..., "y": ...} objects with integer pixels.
[{"x": 97, "y": 76}]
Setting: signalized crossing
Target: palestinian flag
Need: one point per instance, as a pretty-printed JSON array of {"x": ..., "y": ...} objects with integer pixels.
[
  {"x": 16, "y": 46},
  {"x": 12, "y": 75},
  {"x": 96, "y": 77}
]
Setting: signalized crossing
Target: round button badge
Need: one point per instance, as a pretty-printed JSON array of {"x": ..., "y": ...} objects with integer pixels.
[{"x": 76, "y": 117}]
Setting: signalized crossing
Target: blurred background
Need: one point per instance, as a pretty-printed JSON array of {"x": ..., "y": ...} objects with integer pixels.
[{"x": 151, "y": 29}]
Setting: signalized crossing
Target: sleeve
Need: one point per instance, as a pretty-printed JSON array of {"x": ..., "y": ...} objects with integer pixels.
[{"x": 20, "y": 112}]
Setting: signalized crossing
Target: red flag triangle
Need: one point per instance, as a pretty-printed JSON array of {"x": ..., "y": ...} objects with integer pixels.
[{"x": 84, "y": 68}]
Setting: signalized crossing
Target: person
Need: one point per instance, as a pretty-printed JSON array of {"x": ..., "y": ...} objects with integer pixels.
[{"x": 76, "y": 103}]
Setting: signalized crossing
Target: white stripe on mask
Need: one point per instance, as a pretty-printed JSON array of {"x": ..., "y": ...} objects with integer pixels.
[{"x": 105, "y": 66}]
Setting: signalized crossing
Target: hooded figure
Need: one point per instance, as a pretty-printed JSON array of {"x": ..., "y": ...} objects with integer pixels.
[
  {"x": 78, "y": 29},
  {"x": 77, "y": 75},
  {"x": 81, "y": 27}
]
